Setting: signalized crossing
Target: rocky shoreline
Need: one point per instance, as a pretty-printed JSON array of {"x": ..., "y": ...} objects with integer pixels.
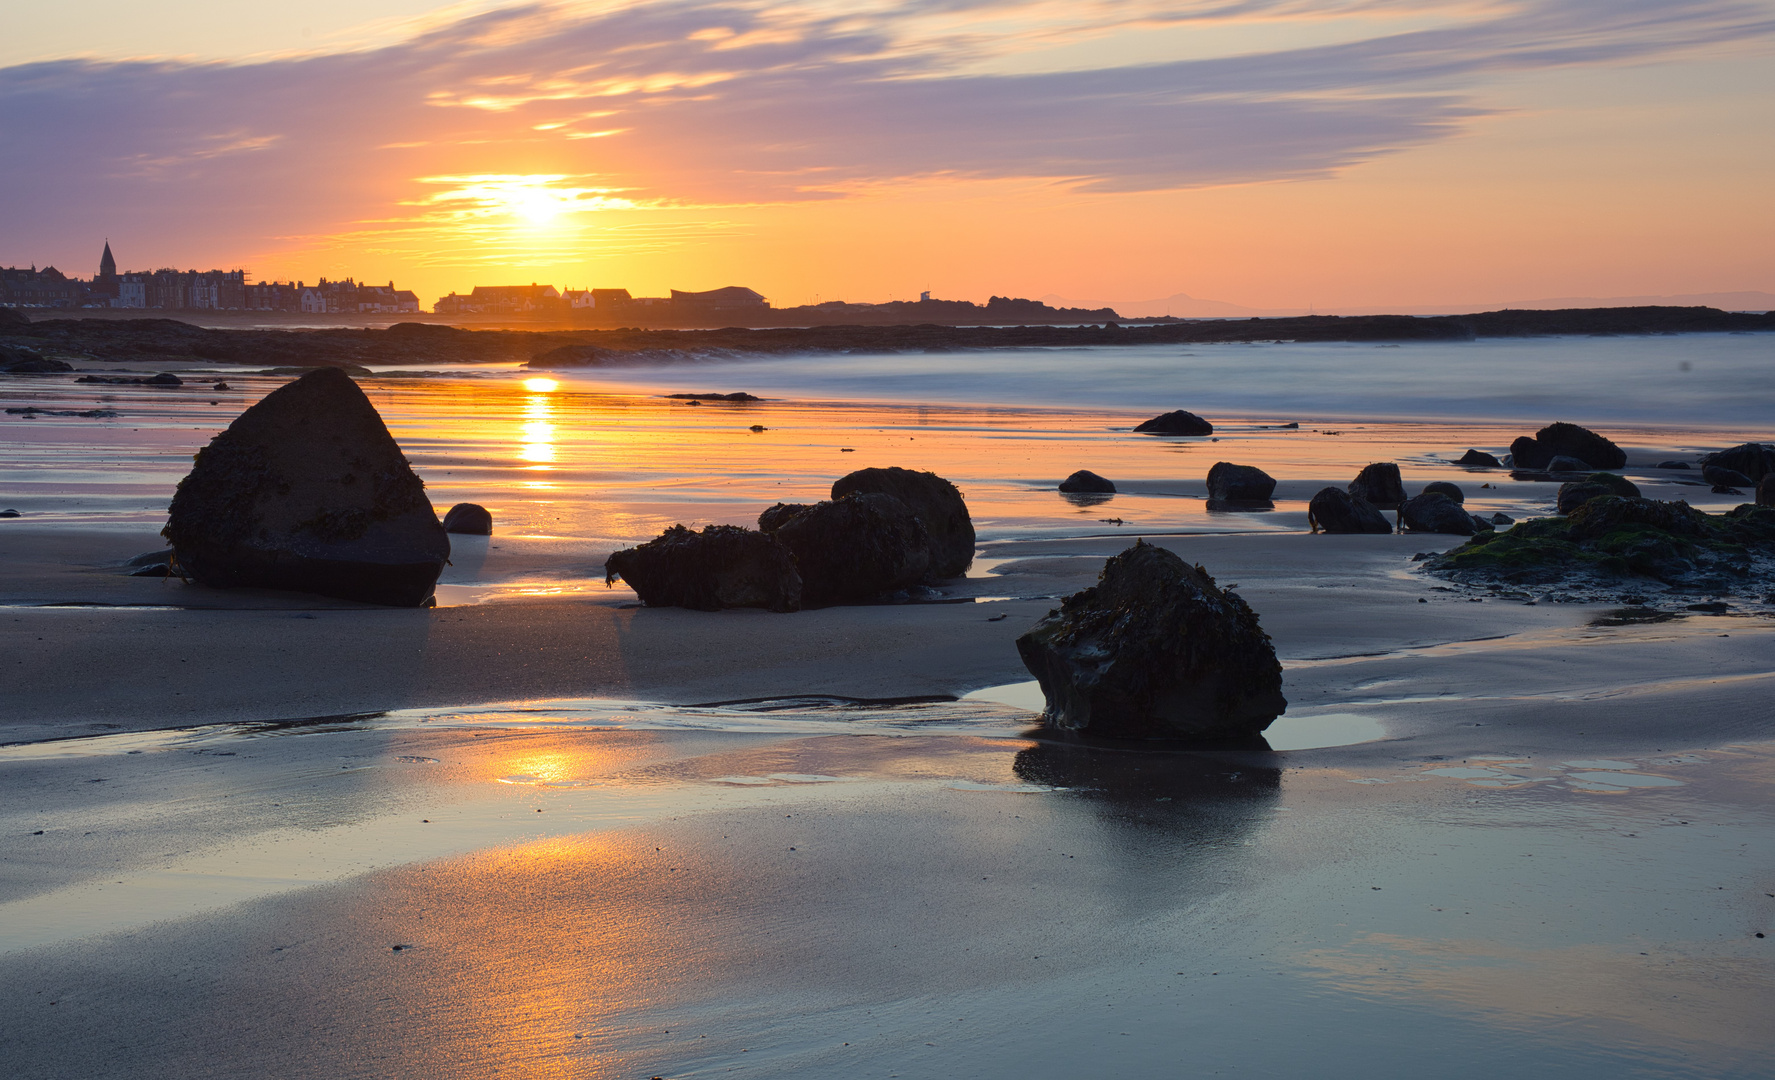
[{"x": 169, "y": 341}]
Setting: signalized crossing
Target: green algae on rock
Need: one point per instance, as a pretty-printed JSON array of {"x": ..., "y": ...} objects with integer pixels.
[{"x": 1613, "y": 536}]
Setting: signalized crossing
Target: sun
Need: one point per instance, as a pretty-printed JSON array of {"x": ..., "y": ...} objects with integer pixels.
[{"x": 535, "y": 205}]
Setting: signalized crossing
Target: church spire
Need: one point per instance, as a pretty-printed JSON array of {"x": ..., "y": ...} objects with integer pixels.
[{"x": 107, "y": 265}]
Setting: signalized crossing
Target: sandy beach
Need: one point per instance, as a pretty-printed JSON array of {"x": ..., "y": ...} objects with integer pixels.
[{"x": 539, "y": 830}]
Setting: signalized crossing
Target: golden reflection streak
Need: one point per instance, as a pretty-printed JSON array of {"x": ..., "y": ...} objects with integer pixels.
[{"x": 537, "y": 434}]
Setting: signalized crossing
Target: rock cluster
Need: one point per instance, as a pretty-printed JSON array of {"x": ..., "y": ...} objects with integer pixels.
[
  {"x": 308, "y": 491},
  {"x": 1751, "y": 460},
  {"x": 1155, "y": 650}
]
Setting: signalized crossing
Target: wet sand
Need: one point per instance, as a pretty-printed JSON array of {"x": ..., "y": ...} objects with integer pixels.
[{"x": 1550, "y": 851}]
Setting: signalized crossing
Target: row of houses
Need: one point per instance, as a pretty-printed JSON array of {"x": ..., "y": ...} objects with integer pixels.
[
  {"x": 539, "y": 299},
  {"x": 196, "y": 290}
]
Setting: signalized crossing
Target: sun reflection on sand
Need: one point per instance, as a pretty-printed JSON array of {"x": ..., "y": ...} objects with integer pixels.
[{"x": 537, "y": 434}]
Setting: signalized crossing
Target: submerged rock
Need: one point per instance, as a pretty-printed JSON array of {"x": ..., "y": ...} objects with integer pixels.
[
  {"x": 853, "y": 549},
  {"x": 1229, "y": 483},
  {"x": 1479, "y": 458},
  {"x": 1380, "y": 486},
  {"x": 1155, "y": 651},
  {"x": 1561, "y": 463},
  {"x": 1086, "y": 482},
  {"x": 724, "y": 566},
  {"x": 1678, "y": 465},
  {"x": 1453, "y": 491},
  {"x": 469, "y": 519},
  {"x": 308, "y": 491},
  {"x": 937, "y": 504},
  {"x": 1751, "y": 460},
  {"x": 1334, "y": 510},
  {"x": 19, "y": 361},
  {"x": 1434, "y": 512},
  {"x": 1568, "y": 440},
  {"x": 1176, "y": 422}
]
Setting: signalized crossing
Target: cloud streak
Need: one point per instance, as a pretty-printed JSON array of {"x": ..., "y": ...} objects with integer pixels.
[{"x": 709, "y": 103}]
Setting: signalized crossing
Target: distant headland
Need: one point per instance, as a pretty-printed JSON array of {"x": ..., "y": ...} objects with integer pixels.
[{"x": 169, "y": 341}]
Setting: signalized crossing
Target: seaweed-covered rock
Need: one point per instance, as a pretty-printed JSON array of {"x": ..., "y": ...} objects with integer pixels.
[
  {"x": 938, "y": 505},
  {"x": 772, "y": 519},
  {"x": 1176, "y": 422},
  {"x": 1334, "y": 510},
  {"x": 1617, "y": 484},
  {"x": 1453, "y": 491},
  {"x": 855, "y": 548},
  {"x": 1231, "y": 483},
  {"x": 308, "y": 491},
  {"x": 1479, "y": 459},
  {"x": 724, "y": 566},
  {"x": 1379, "y": 484},
  {"x": 1155, "y": 650},
  {"x": 469, "y": 519},
  {"x": 1617, "y": 536},
  {"x": 1753, "y": 460},
  {"x": 1568, "y": 440},
  {"x": 1434, "y": 512},
  {"x": 1086, "y": 482}
]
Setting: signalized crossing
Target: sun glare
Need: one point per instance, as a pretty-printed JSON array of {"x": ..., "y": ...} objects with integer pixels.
[{"x": 540, "y": 386}]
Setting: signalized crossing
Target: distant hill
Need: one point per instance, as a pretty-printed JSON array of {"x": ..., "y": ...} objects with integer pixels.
[{"x": 1185, "y": 306}]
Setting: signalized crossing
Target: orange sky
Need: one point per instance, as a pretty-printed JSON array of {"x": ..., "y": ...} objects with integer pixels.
[{"x": 1363, "y": 154}]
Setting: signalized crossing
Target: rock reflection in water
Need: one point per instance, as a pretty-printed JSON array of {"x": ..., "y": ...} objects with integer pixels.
[{"x": 1156, "y": 787}]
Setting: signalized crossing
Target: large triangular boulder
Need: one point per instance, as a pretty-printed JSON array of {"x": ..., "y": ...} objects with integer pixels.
[
  {"x": 1155, "y": 650},
  {"x": 307, "y": 491}
]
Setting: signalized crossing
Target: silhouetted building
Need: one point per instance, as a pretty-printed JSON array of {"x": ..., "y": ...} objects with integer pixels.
[
  {"x": 47, "y": 288},
  {"x": 104, "y": 287},
  {"x": 501, "y": 300}
]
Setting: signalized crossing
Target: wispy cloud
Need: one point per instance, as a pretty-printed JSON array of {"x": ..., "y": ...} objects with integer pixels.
[{"x": 705, "y": 102}]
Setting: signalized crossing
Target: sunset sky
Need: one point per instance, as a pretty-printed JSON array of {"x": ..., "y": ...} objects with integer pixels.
[{"x": 1268, "y": 153}]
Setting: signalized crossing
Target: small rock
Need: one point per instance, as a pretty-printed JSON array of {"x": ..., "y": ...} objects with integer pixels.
[
  {"x": 1177, "y": 422},
  {"x": 1379, "y": 484},
  {"x": 1334, "y": 510},
  {"x": 1453, "y": 491},
  {"x": 1502, "y": 519},
  {"x": 469, "y": 519},
  {"x": 221, "y": 386},
  {"x": 1231, "y": 483},
  {"x": 9, "y": 513},
  {"x": 1087, "y": 482},
  {"x": 1479, "y": 458},
  {"x": 165, "y": 378},
  {"x": 1682, "y": 466},
  {"x": 757, "y": 428},
  {"x": 1434, "y": 512}
]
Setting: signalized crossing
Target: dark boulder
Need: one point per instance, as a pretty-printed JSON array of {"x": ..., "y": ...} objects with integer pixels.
[
  {"x": 1480, "y": 458},
  {"x": 13, "y": 319},
  {"x": 724, "y": 566},
  {"x": 1453, "y": 491},
  {"x": 308, "y": 491},
  {"x": 1569, "y": 440},
  {"x": 1766, "y": 490},
  {"x": 936, "y": 502},
  {"x": 1379, "y": 484},
  {"x": 1617, "y": 485},
  {"x": 856, "y": 548},
  {"x": 1086, "y": 482},
  {"x": 9, "y": 512},
  {"x": 1336, "y": 511},
  {"x": 1177, "y": 422},
  {"x": 1155, "y": 651},
  {"x": 1753, "y": 460},
  {"x": 1239, "y": 483},
  {"x": 1599, "y": 517},
  {"x": 1502, "y": 519},
  {"x": 1482, "y": 524},
  {"x": 1434, "y": 512},
  {"x": 469, "y": 519},
  {"x": 1680, "y": 465},
  {"x": 1572, "y": 496},
  {"x": 1721, "y": 477},
  {"x": 1562, "y": 463}
]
